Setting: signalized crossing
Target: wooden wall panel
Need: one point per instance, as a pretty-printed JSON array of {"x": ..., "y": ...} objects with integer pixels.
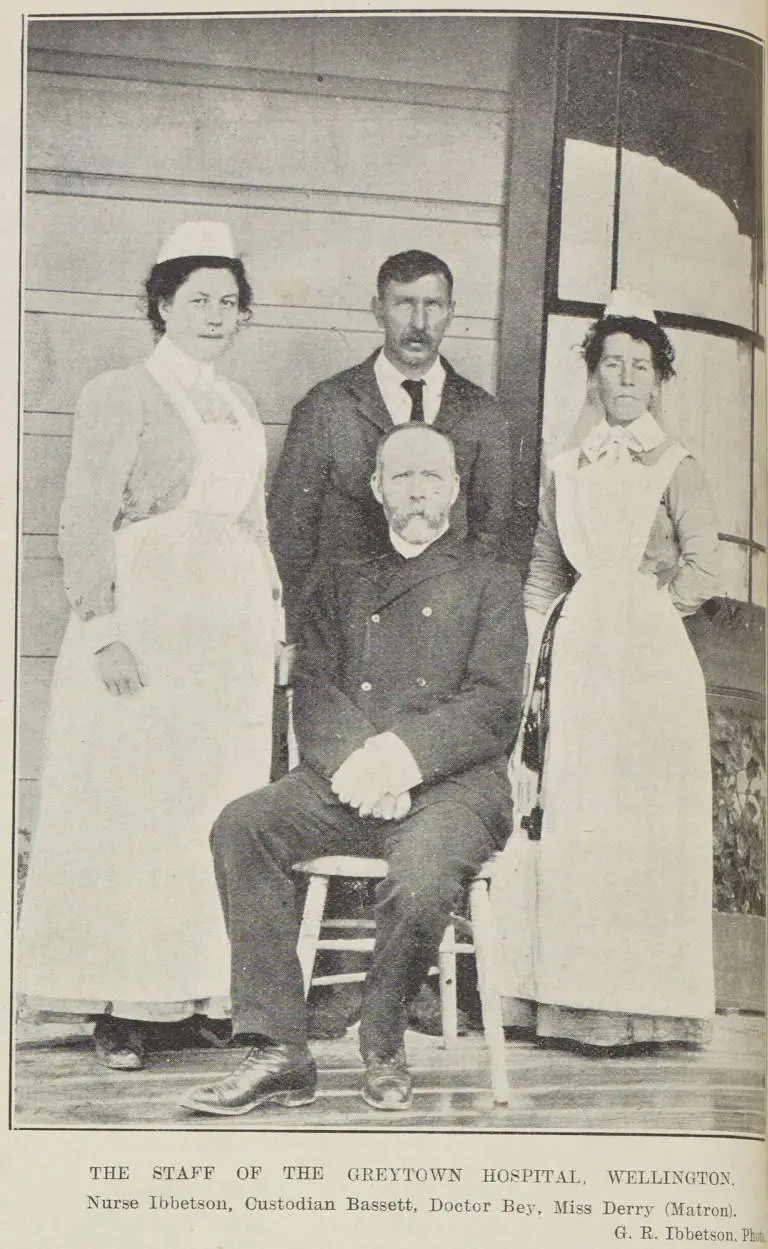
[
  {"x": 44, "y": 467},
  {"x": 44, "y": 607},
  {"x": 310, "y": 259},
  {"x": 232, "y": 196},
  {"x": 462, "y": 51},
  {"x": 61, "y": 353},
  {"x": 27, "y": 804},
  {"x": 262, "y": 138},
  {"x": 34, "y": 687},
  {"x": 277, "y": 364}
]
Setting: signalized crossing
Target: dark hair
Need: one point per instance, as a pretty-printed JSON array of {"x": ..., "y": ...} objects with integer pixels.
[
  {"x": 409, "y": 267},
  {"x": 165, "y": 279},
  {"x": 662, "y": 351},
  {"x": 399, "y": 430}
]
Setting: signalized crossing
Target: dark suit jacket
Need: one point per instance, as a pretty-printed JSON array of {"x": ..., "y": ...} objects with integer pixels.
[
  {"x": 431, "y": 648},
  {"x": 321, "y": 504}
]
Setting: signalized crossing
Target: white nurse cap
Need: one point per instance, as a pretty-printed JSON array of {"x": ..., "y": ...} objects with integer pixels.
[
  {"x": 629, "y": 304},
  {"x": 198, "y": 238}
]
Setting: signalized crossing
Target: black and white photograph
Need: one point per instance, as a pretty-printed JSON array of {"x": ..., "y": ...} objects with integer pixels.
[{"x": 390, "y": 751}]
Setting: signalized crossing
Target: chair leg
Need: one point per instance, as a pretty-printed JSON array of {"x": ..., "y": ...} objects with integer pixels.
[
  {"x": 293, "y": 745},
  {"x": 488, "y": 980},
  {"x": 446, "y": 966},
  {"x": 311, "y": 923}
]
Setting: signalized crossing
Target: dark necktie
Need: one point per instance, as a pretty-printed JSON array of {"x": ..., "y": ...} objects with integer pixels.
[{"x": 416, "y": 391}]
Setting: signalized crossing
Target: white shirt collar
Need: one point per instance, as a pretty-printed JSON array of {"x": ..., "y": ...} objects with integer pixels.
[
  {"x": 390, "y": 382},
  {"x": 409, "y": 550},
  {"x": 643, "y": 434},
  {"x": 185, "y": 369}
]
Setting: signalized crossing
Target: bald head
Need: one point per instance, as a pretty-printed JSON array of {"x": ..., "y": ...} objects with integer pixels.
[
  {"x": 421, "y": 439},
  {"x": 416, "y": 481}
]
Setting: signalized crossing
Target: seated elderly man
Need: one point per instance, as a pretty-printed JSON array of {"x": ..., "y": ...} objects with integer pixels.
[{"x": 406, "y": 697}]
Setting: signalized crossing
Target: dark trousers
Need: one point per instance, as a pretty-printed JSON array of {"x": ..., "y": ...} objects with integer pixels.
[{"x": 432, "y": 853}]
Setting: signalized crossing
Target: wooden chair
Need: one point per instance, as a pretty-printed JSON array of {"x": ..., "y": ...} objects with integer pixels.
[{"x": 483, "y": 945}]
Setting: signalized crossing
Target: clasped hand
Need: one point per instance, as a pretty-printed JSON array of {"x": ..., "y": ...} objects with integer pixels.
[{"x": 359, "y": 784}]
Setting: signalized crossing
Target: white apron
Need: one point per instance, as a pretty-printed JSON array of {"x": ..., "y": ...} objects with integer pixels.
[
  {"x": 612, "y": 909},
  {"x": 121, "y": 904}
]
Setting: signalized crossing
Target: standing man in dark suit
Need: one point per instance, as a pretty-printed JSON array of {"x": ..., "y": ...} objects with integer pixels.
[
  {"x": 406, "y": 697},
  {"x": 320, "y": 505}
]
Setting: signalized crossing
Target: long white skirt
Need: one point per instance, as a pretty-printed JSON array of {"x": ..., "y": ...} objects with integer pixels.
[
  {"x": 612, "y": 910},
  {"x": 121, "y": 904}
]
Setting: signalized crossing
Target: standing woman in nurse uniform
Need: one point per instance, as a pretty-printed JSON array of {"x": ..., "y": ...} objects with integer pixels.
[
  {"x": 161, "y": 706},
  {"x": 605, "y": 900}
]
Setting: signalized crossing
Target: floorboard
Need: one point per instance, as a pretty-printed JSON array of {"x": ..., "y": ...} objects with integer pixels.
[{"x": 718, "y": 1091}]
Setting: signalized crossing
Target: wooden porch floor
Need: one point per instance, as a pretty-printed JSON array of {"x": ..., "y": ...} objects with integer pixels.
[{"x": 717, "y": 1091}]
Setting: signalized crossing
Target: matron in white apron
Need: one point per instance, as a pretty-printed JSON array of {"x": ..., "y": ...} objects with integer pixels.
[
  {"x": 611, "y": 911},
  {"x": 121, "y": 904}
]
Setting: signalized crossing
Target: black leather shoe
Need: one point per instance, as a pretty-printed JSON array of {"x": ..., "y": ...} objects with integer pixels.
[
  {"x": 119, "y": 1044},
  {"x": 388, "y": 1084},
  {"x": 284, "y": 1074}
]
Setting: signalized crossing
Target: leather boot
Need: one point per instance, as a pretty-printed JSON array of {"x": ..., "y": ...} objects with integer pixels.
[
  {"x": 388, "y": 1084},
  {"x": 283, "y": 1074},
  {"x": 119, "y": 1044}
]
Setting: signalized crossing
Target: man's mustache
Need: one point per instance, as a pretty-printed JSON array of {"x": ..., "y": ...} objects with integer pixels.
[{"x": 421, "y": 513}]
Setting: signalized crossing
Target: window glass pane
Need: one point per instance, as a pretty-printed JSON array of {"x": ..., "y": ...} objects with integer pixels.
[
  {"x": 589, "y": 164},
  {"x": 690, "y": 194},
  {"x": 708, "y": 407},
  {"x": 681, "y": 244},
  {"x": 589, "y": 173},
  {"x": 565, "y": 384}
]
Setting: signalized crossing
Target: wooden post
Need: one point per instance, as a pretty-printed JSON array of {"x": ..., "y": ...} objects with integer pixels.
[{"x": 528, "y": 210}]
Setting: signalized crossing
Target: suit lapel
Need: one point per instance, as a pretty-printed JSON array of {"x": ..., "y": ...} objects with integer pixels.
[
  {"x": 453, "y": 403},
  {"x": 365, "y": 389}
]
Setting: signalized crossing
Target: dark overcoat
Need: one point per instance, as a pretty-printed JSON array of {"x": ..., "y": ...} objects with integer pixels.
[
  {"x": 430, "y": 648},
  {"x": 320, "y": 504}
]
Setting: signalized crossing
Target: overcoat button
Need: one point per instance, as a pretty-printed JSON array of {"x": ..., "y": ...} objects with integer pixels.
[
  {"x": 375, "y": 617},
  {"x": 426, "y": 611},
  {"x": 420, "y": 681},
  {"x": 366, "y": 686}
]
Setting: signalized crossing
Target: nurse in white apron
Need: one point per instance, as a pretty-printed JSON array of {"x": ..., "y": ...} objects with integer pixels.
[
  {"x": 604, "y": 895},
  {"x": 161, "y": 706}
]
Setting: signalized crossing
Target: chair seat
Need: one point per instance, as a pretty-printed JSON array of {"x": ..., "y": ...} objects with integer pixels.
[
  {"x": 344, "y": 865},
  {"x": 361, "y": 867}
]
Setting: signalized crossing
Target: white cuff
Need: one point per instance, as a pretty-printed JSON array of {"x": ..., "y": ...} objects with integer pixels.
[
  {"x": 396, "y": 762},
  {"x": 101, "y": 631}
]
